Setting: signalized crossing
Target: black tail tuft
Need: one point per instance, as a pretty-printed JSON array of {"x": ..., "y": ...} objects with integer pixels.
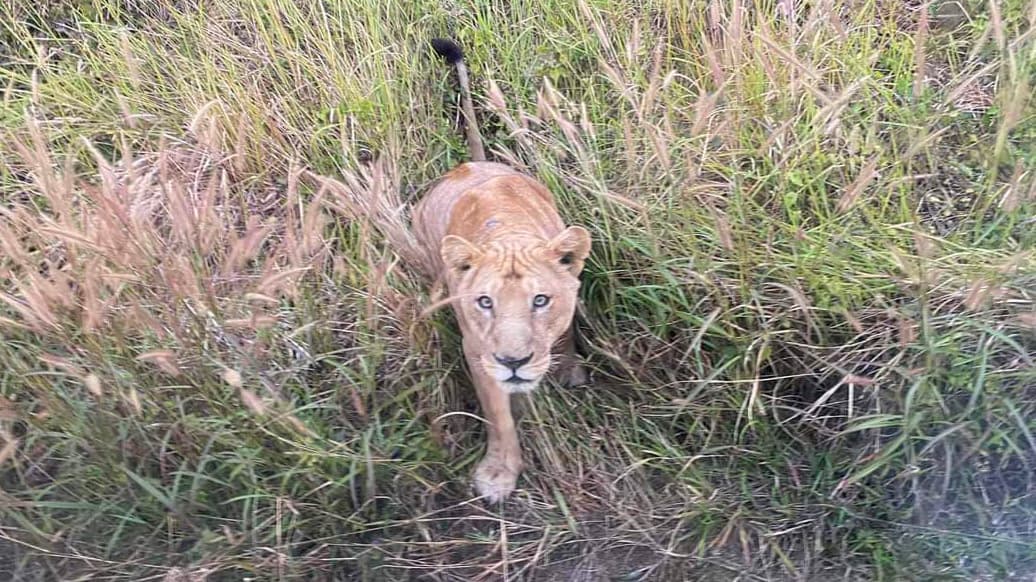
[{"x": 448, "y": 50}]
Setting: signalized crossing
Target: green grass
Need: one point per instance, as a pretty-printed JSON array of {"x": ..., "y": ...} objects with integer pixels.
[{"x": 810, "y": 307}]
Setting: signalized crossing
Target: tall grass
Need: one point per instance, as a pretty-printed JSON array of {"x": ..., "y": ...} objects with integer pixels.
[{"x": 809, "y": 311}]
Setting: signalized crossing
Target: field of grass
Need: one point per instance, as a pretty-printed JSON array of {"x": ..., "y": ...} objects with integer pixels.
[{"x": 810, "y": 310}]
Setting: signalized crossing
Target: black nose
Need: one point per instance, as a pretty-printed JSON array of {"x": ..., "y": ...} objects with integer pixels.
[{"x": 513, "y": 363}]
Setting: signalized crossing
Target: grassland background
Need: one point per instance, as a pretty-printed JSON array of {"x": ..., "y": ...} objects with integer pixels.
[{"x": 810, "y": 307}]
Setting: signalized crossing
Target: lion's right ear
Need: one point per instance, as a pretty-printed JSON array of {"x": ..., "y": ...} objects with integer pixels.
[{"x": 458, "y": 254}]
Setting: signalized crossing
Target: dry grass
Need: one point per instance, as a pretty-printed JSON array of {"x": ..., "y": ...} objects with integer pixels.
[{"x": 810, "y": 308}]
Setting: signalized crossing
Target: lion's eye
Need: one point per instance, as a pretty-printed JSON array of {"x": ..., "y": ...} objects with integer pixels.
[
  {"x": 484, "y": 302},
  {"x": 540, "y": 301}
]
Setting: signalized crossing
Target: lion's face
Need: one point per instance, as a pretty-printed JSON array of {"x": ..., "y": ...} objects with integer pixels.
[{"x": 515, "y": 300}]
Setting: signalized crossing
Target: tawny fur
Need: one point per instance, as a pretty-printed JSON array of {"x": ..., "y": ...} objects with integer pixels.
[{"x": 495, "y": 238}]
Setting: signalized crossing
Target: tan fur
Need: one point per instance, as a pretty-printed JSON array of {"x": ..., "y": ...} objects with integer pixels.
[{"x": 493, "y": 232}]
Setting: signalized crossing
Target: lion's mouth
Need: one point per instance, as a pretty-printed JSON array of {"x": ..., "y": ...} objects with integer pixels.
[{"x": 516, "y": 379}]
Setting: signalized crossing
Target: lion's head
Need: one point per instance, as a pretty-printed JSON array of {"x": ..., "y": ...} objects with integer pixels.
[{"x": 515, "y": 299}]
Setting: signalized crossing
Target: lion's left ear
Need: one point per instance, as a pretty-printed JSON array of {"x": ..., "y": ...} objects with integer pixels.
[
  {"x": 458, "y": 254},
  {"x": 571, "y": 247}
]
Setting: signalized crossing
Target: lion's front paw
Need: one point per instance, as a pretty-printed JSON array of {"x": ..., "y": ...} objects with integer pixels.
[{"x": 495, "y": 479}]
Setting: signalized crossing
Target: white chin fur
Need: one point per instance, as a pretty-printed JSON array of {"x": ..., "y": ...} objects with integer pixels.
[
  {"x": 501, "y": 374},
  {"x": 520, "y": 388}
]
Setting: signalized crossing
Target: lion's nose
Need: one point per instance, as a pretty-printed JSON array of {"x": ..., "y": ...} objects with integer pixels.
[{"x": 512, "y": 363}]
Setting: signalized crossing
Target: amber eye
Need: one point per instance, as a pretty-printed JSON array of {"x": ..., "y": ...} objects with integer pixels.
[
  {"x": 484, "y": 302},
  {"x": 540, "y": 301}
]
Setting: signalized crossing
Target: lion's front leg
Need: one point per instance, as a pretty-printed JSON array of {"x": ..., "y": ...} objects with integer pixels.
[{"x": 497, "y": 473}]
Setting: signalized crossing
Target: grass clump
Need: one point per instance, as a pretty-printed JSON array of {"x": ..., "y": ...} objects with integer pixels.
[{"x": 809, "y": 310}]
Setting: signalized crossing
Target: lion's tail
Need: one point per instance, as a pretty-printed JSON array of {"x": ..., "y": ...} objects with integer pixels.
[{"x": 454, "y": 55}]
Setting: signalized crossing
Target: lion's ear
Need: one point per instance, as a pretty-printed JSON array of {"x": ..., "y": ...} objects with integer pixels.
[
  {"x": 571, "y": 247},
  {"x": 458, "y": 254}
]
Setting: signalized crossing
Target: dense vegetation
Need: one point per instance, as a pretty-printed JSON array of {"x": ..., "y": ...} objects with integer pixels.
[{"x": 810, "y": 309}]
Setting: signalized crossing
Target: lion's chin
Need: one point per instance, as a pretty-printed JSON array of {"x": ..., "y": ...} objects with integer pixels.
[
  {"x": 523, "y": 380},
  {"x": 516, "y": 385}
]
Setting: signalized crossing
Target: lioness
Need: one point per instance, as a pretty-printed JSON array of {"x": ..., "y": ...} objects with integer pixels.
[{"x": 512, "y": 271}]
